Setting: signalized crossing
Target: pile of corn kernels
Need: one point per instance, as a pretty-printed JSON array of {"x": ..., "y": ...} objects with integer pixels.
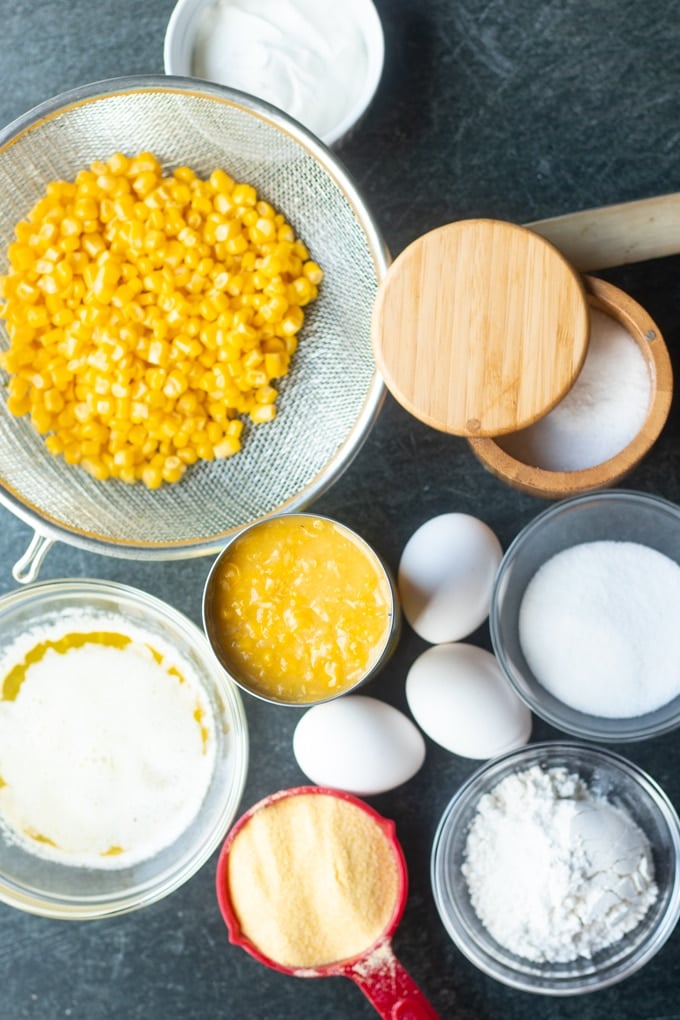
[{"x": 149, "y": 315}]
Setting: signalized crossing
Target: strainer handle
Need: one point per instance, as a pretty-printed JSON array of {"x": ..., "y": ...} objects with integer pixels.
[{"x": 26, "y": 568}]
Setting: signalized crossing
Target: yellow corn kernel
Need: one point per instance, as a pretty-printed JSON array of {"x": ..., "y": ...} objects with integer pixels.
[
  {"x": 144, "y": 183},
  {"x": 236, "y": 245},
  {"x": 18, "y": 406},
  {"x": 265, "y": 395},
  {"x": 175, "y": 385},
  {"x": 184, "y": 173},
  {"x": 85, "y": 209},
  {"x": 53, "y": 401},
  {"x": 262, "y": 413},
  {"x": 20, "y": 257},
  {"x": 54, "y": 444},
  {"x": 234, "y": 428},
  {"x": 221, "y": 181},
  {"x": 227, "y": 447},
  {"x": 286, "y": 233},
  {"x": 302, "y": 291},
  {"x": 313, "y": 272},
  {"x": 96, "y": 468},
  {"x": 124, "y": 457},
  {"x": 244, "y": 195},
  {"x": 118, "y": 163},
  {"x": 173, "y": 469},
  {"x": 187, "y": 454},
  {"x": 263, "y": 230},
  {"x": 72, "y": 454},
  {"x": 152, "y": 476},
  {"x": 145, "y": 162}
]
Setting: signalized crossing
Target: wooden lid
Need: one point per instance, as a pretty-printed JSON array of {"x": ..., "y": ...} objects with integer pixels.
[{"x": 480, "y": 327}]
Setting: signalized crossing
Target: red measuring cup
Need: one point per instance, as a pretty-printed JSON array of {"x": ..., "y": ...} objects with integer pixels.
[{"x": 376, "y": 971}]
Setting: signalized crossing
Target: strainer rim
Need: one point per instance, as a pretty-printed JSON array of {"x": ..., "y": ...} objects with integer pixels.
[{"x": 54, "y": 530}]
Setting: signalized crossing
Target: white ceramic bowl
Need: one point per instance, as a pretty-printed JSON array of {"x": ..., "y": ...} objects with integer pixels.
[
  {"x": 345, "y": 86},
  {"x": 52, "y": 888}
]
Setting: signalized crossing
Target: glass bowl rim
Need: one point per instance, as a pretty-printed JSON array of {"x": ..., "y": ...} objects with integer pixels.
[
  {"x": 588, "y": 727},
  {"x": 153, "y": 888},
  {"x": 481, "y": 781}
]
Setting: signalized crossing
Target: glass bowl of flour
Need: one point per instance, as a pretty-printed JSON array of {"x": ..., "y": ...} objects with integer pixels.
[
  {"x": 555, "y": 868},
  {"x": 584, "y": 615},
  {"x": 123, "y": 749}
]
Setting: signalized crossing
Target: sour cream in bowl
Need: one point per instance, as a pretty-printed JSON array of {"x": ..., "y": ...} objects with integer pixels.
[{"x": 319, "y": 63}]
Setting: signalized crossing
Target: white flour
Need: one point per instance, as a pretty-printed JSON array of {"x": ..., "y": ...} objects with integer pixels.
[
  {"x": 106, "y": 746},
  {"x": 555, "y": 872},
  {"x": 598, "y": 625}
]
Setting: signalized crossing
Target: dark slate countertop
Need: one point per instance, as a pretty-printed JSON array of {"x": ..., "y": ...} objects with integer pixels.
[{"x": 516, "y": 109}]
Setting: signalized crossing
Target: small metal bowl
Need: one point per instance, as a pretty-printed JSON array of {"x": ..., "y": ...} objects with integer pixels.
[
  {"x": 216, "y": 588},
  {"x": 624, "y": 785},
  {"x": 621, "y": 515}
]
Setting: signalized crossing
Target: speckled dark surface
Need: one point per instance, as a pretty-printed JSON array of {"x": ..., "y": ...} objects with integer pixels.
[{"x": 518, "y": 109}]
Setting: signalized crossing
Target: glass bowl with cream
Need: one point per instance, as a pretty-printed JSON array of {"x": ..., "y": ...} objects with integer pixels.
[
  {"x": 584, "y": 615},
  {"x": 555, "y": 868},
  {"x": 123, "y": 749},
  {"x": 299, "y": 609}
]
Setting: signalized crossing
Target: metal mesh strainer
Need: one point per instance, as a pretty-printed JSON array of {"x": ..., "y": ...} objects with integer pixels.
[{"x": 332, "y": 394}]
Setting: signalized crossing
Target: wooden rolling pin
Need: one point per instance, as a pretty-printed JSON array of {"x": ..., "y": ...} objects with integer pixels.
[{"x": 615, "y": 235}]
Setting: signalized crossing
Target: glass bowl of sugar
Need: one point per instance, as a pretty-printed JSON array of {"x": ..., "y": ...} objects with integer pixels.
[
  {"x": 123, "y": 749},
  {"x": 555, "y": 868},
  {"x": 584, "y": 615}
]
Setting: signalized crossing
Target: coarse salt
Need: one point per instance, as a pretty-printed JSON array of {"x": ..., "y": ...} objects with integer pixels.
[{"x": 601, "y": 414}]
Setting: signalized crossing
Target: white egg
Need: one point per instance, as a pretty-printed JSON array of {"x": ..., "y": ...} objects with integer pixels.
[
  {"x": 358, "y": 744},
  {"x": 446, "y": 575},
  {"x": 460, "y": 698}
]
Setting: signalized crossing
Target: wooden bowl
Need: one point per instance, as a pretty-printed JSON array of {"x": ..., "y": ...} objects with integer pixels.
[{"x": 551, "y": 484}]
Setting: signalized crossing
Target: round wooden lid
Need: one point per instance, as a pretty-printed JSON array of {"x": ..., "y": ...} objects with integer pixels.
[{"x": 480, "y": 327}]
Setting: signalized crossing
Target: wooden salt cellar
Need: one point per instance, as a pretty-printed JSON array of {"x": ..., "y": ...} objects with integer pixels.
[{"x": 481, "y": 327}]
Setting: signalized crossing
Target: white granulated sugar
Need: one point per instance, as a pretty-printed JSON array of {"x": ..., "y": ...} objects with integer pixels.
[
  {"x": 106, "y": 745},
  {"x": 554, "y": 871},
  {"x": 601, "y": 414},
  {"x": 598, "y": 626}
]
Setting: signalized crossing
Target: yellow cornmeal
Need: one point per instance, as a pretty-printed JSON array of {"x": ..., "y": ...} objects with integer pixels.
[
  {"x": 304, "y": 609},
  {"x": 313, "y": 880}
]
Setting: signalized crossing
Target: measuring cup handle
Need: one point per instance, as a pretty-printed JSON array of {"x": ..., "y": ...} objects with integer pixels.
[{"x": 389, "y": 987}]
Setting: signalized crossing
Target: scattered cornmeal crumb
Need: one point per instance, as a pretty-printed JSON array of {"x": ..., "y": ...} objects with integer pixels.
[
  {"x": 149, "y": 313},
  {"x": 313, "y": 880}
]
